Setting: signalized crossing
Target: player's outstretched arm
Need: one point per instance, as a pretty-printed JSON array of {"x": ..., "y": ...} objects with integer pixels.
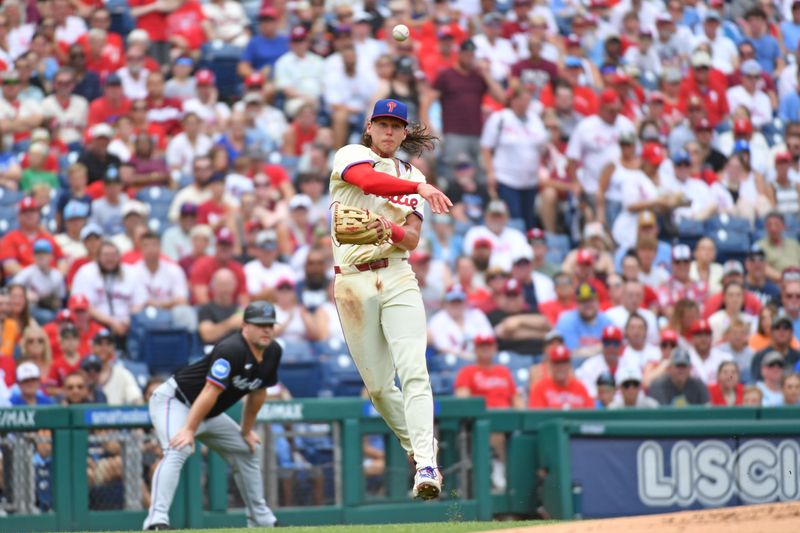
[
  {"x": 371, "y": 181},
  {"x": 200, "y": 408}
]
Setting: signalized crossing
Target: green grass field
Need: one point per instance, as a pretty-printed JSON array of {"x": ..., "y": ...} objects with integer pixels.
[{"x": 429, "y": 527}]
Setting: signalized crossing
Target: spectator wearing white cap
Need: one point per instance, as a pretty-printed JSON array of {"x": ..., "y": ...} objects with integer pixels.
[
  {"x": 492, "y": 47},
  {"x": 300, "y": 226},
  {"x": 629, "y": 381},
  {"x": 453, "y": 329},
  {"x": 134, "y": 214},
  {"x": 749, "y": 96},
  {"x": 29, "y": 382},
  {"x": 680, "y": 285}
]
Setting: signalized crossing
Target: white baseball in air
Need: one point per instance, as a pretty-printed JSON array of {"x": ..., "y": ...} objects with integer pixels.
[{"x": 400, "y": 33}]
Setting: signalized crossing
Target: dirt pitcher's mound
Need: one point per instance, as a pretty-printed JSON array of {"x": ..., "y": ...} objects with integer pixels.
[{"x": 771, "y": 518}]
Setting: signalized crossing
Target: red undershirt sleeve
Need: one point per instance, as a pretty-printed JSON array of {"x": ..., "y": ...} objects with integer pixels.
[{"x": 369, "y": 180}]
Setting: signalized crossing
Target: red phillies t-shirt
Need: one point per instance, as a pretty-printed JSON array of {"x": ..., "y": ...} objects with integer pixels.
[
  {"x": 186, "y": 22},
  {"x": 101, "y": 110},
  {"x": 553, "y": 309},
  {"x": 494, "y": 384},
  {"x": 166, "y": 113},
  {"x": 154, "y": 23},
  {"x": 718, "y": 398},
  {"x": 203, "y": 269},
  {"x": 210, "y": 212},
  {"x": 546, "y": 394},
  {"x": 61, "y": 368},
  {"x": 584, "y": 100},
  {"x": 85, "y": 341},
  {"x": 16, "y": 245}
]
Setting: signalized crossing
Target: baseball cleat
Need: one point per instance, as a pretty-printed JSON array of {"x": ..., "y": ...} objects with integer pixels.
[
  {"x": 427, "y": 485},
  {"x": 159, "y": 527}
]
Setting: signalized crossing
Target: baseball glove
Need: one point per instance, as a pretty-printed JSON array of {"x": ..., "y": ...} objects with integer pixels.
[{"x": 350, "y": 226}]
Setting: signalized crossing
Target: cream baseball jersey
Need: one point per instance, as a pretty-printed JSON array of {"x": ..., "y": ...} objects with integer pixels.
[{"x": 394, "y": 208}]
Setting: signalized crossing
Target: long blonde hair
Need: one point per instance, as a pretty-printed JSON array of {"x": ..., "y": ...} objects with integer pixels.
[{"x": 33, "y": 332}]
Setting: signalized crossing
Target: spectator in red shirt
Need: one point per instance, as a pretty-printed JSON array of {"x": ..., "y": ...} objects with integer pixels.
[
  {"x": 216, "y": 211},
  {"x": 560, "y": 389},
  {"x": 163, "y": 111},
  {"x": 443, "y": 57},
  {"x": 203, "y": 269},
  {"x": 69, "y": 359},
  {"x": 727, "y": 390},
  {"x": 565, "y": 298},
  {"x": 583, "y": 97},
  {"x": 16, "y": 247},
  {"x": 495, "y": 384},
  {"x": 187, "y": 26},
  {"x": 112, "y": 105},
  {"x": 486, "y": 379},
  {"x": 101, "y": 57},
  {"x": 707, "y": 83}
]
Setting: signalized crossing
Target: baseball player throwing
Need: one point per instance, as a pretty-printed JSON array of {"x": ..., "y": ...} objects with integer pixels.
[
  {"x": 192, "y": 404},
  {"x": 377, "y": 203}
]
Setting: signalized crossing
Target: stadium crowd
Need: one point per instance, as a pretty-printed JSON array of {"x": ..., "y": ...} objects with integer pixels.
[{"x": 624, "y": 173}]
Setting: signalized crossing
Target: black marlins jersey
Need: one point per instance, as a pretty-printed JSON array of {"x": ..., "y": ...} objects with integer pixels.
[{"x": 231, "y": 367}]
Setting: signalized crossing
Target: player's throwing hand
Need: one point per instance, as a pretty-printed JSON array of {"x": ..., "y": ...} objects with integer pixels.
[{"x": 438, "y": 200}]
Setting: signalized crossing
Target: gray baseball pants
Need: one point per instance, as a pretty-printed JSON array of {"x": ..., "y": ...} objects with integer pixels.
[{"x": 168, "y": 415}]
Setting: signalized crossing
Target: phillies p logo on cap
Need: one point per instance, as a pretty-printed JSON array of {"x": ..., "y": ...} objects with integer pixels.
[{"x": 390, "y": 108}]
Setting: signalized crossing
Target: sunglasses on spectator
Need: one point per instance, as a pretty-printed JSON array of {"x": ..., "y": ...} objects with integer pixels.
[
  {"x": 669, "y": 345},
  {"x": 75, "y": 387},
  {"x": 791, "y": 295},
  {"x": 39, "y": 341},
  {"x": 630, "y": 384},
  {"x": 774, "y": 364},
  {"x": 784, "y": 327},
  {"x": 683, "y": 164},
  {"x": 608, "y": 342}
]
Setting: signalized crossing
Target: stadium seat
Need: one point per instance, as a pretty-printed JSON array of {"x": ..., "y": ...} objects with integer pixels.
[
  {"x": 222, "y": 60},
  {"x": 164, "y": 351},
  {"x": 690, "y": 231},
  {"x": 517, "y": 224},
  {"x": 558, "y": 247},
  {"x": 155, "y": 195},
  {"x": 518, "y": 365},
  {"x": 731, "y": 244},
  {"x": 9, "y": 197},
  {"x": 341, "y": 376},
  {"x": 728, "y": 223},
  {"x": 296, "y": 351},
  {"x": 8, "y": 218},
  {"x": 302, "y": 378}
]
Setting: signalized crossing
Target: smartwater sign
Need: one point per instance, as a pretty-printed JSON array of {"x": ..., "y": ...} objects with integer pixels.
[{"x": 630, "y": 476}]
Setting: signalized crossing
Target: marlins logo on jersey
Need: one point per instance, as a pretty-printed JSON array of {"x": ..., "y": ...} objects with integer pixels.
[{"x": 221, "y": 369}]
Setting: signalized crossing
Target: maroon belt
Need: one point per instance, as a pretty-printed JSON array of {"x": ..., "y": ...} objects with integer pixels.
[{"x": 363, "y": 267}]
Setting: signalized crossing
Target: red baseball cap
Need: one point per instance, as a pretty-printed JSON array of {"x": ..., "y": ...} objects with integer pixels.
[
  {"x": 694, "y": 101},
  {"x": 558, "y": 353},
  {"x": 620, "y": 78},
  {"x": 585, "y": 257},
  {"x": 669, "y": 335},
  {"x": 268, "y": 12},
  {"x": 482, "y": 242},
  {"x": 703, "y": 124},
  {"x": 742, "y": 125},
  {"x": 512, "y": 287},
  {"x": 700, "y": 326},
  {"x": 653, "y": 153},
  {"x": 78, "y": 302},
  {"x": 204, "y": 77},
  {"x": 612, "y": 333},
  {"x": 657, "y": 96},
  {"x": 27, "y": 204},
  {"x": 254, "y": 79},
  {"x": 783, "y": 157},
  {"x": 609, "y": 96},
  {"x": 487, "y": 338},
  {"x": 65, "y": 315},
  {"x": 298, "y": 33},
  {"x": 572, "y": 40},
  {"x": 536, "y": 234},
  {"x": 224, "y": 236}
]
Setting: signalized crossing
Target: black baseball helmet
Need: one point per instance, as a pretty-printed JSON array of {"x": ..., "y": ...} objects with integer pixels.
[{"x": 260, "y": 313}]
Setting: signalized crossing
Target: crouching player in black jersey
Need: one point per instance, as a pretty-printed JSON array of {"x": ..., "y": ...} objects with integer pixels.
[{"x": 192, "y": 404}]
